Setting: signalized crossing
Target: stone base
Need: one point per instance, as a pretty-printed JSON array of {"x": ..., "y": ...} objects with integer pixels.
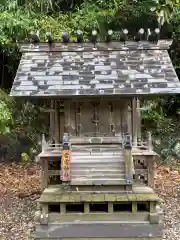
[
  {"x": 99, "y": 231},
  {"x": 146, "y": 238}
]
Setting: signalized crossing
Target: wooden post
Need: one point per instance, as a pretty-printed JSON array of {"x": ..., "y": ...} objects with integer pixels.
[
  {"x": 67, "y": 111},
  {"x": 130, "y": 120},
  {"x": 134, "y": 121},
  {"x": 52, "y": 113},
  {"x": 56, "y": 124},
  {"x": 150, "y": 147},
  {"x": 138, "y": 119},
  {"x": 124, "y": 117},
  {"x": 44, "y": 173},
  {"x": 44, "y": 144},
  {"x": 128, "y": 158},
  {"x": 151, "y": 171}
]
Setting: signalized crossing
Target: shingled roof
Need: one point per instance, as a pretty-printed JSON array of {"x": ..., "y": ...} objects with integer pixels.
[{"x": 76, "y": 70}]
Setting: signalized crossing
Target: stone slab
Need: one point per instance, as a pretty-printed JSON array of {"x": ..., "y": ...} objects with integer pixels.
[
  {"x": 58, "y": 195},
  {"x": 96, "y": 229},
  {"x": 146, "y": 238},
  {"x": 125, "y": 217}
]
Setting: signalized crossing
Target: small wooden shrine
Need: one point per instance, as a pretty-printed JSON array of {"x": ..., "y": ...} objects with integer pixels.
[{"x": 98, "y": 170}]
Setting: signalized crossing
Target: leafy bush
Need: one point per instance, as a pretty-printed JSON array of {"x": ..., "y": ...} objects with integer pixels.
[
  {"x": 165, "y": 130},
  {"x": 5, "y": 118},
  {"x": 21, "y": 126}
]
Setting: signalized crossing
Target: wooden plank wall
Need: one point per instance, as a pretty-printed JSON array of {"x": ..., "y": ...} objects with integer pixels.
[
  {"x": 76, "y": 117},
  {"x": 115, "y": 115}
]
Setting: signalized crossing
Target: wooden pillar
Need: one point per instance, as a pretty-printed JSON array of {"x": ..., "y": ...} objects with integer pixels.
[
  {"x": 138, "y": 119},
  {"x": 124, "y": 117},
  {"x": 67, "y": 111},
  {"x": 130, "y": 120},
  {"x": 118, "y": 124},
  {"x": 134, "y": 121},
  {"x": 51, "y": 125},
  {"x": 43, "y": 143},
  {"x": 44, "y": 173},
  {"x": 150, "y": 147},
  {"x": 56, "y": 124},
  {"x": 151, "y": 169},
  {"x": 128, "y": 158}
]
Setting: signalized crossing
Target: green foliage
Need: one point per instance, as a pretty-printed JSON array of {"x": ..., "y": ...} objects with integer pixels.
[
  {"x": 165, "y": 129},
  {"x": 25, "y": 158},
  {"x": 18, "y": 18},
  {"x": 166, "y": 10},
  {"x": 22, "y": 134},
  {"x": 5, "y": 118}
]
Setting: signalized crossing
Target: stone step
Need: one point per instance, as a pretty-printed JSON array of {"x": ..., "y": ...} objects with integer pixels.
[
  {"x": 97, "y": 171},
  {"x": 97, "y": 165},
  {"x": 97, "y": 153},
  {"x": 97, "y": 175},
  {"x": 107, "y": 146},
  {"x": 99, "y": 188},
  {"x": 102, "y": 160},
  {"x": 98, "y": 181}
]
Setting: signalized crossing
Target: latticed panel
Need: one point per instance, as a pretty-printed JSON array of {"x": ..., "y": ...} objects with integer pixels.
[
  {"x": 141, "y": 170},
  {"x": 54, "y": 171}
]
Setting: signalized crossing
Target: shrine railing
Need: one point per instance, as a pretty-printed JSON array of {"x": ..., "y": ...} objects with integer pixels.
[
  {"x": 141, "y": 144},
  {"x": 51, "y": 147}
]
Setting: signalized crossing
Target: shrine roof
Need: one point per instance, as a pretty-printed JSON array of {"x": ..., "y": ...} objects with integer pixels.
[{"x": 80, "y": 70}]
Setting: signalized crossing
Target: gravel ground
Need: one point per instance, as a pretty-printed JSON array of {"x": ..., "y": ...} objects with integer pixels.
[
  {"x": 172, "y": 219},
  {"x": 16, "y": 218},
  {"x": 16, "y": 214}
]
